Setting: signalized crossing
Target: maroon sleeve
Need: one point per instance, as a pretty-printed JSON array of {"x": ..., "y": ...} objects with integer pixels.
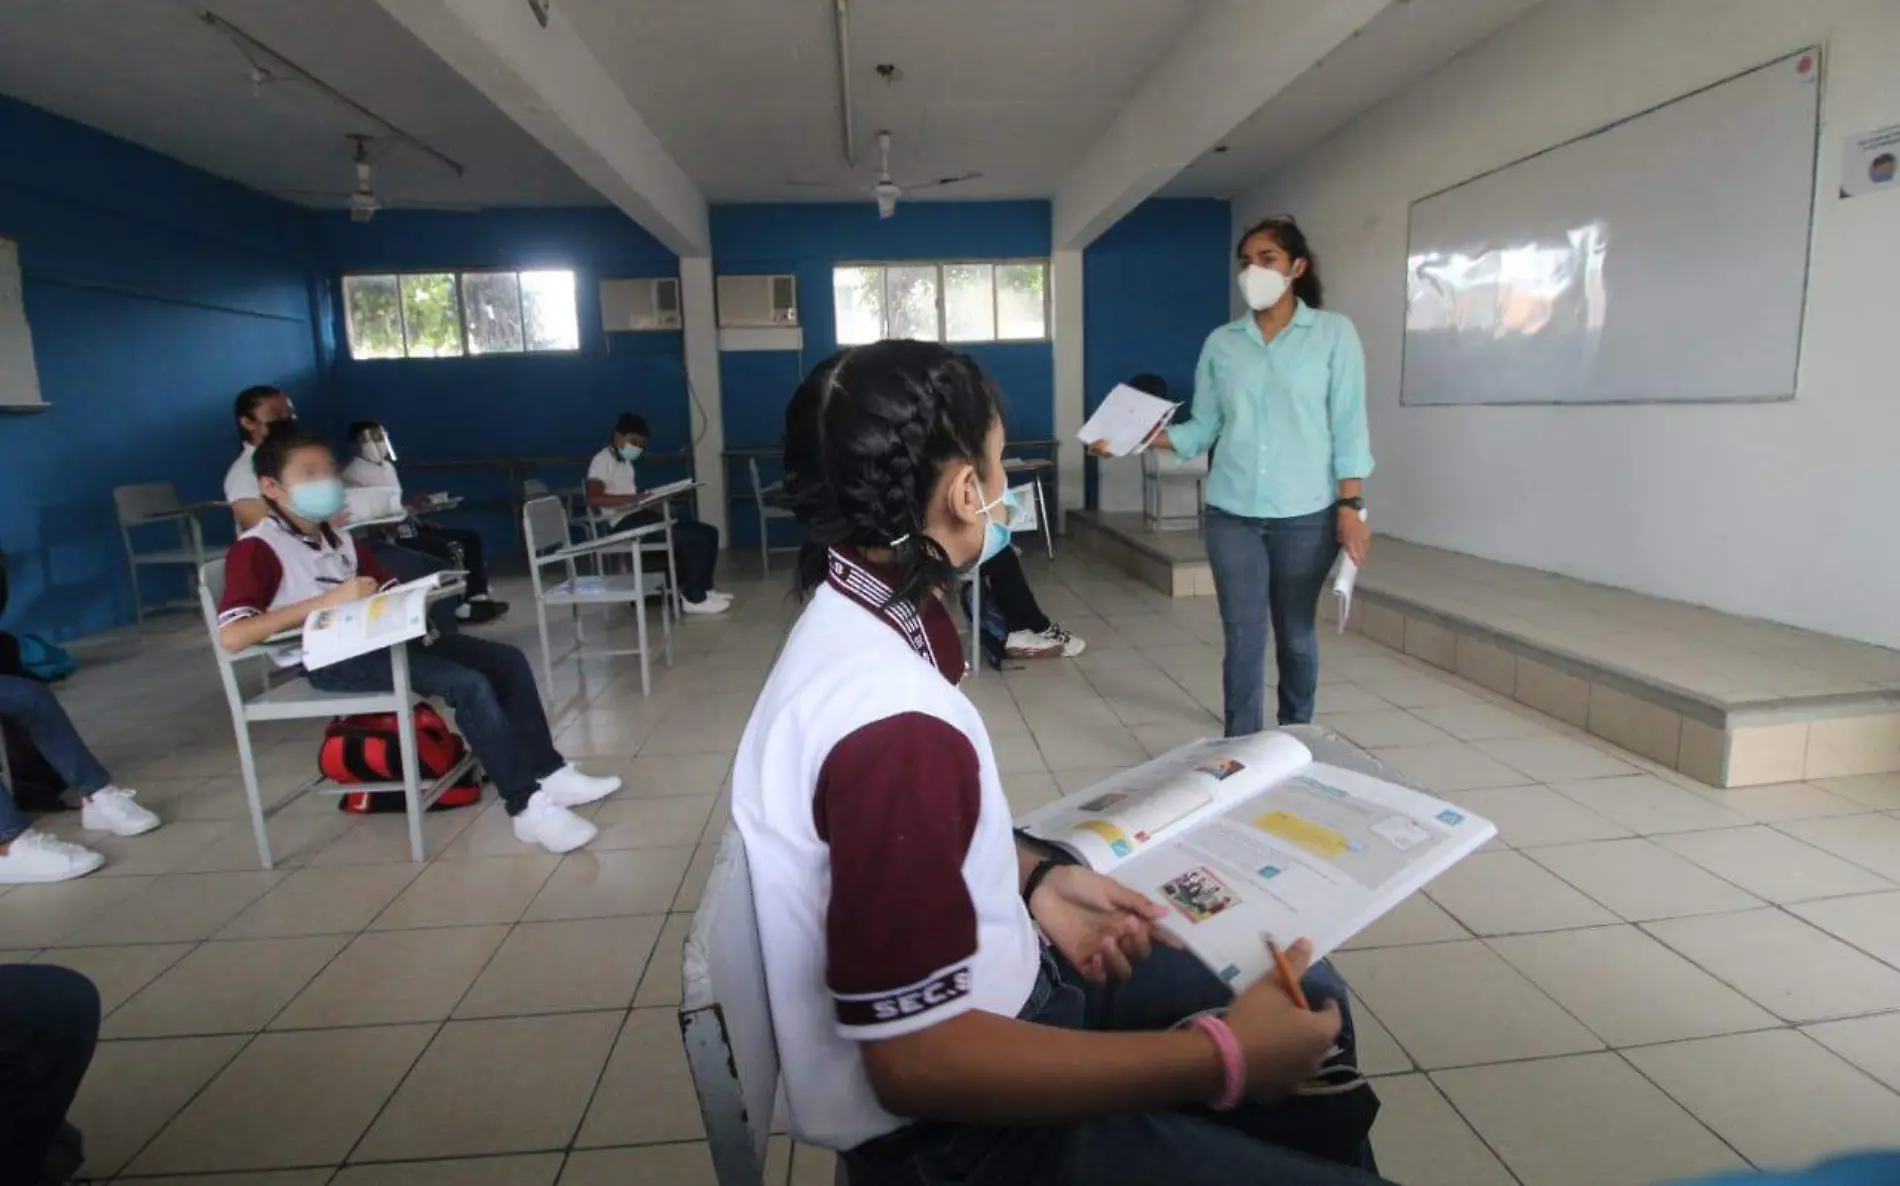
[
  {"x": 367, "y": 565},
  {"x": 252, "y": 574},
  {"x": 897, "y": 803}
]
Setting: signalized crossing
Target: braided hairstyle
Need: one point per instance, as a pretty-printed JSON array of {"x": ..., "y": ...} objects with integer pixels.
[{"x": 866, "y": 437}]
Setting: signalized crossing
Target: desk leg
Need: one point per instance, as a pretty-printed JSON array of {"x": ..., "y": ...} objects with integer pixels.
[
  {"x": 406, "y": 740},
  {"x": 1042, "y": 513}
]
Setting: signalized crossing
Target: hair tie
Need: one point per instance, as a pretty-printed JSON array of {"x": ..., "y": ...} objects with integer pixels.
[{"x": 901, "y": 540}]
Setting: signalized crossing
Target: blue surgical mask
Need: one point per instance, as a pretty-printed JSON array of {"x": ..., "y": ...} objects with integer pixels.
[
  {"x": 630, "y": 453},
  {"x": 317, "y": 500},
  {"x": 996, "y": 534}
]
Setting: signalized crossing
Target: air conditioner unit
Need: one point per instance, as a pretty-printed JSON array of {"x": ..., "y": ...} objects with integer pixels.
[
  {"x": 640, "y": 304},
  {"x": 747, "y": 302}
]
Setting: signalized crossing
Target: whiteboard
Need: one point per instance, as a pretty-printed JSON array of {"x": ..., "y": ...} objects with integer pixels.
[
  {"x": 1662, "y": 258},
  {"x": 19, "y": 377}
]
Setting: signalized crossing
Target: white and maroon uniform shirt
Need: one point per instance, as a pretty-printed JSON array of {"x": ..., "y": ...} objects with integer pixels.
[
  {"x": 274, "y": 565},
  {"x": 883, "y": 863}
]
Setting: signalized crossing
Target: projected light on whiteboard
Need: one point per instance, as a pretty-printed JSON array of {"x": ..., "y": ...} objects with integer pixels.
[{"x": 1662, "y": 258}]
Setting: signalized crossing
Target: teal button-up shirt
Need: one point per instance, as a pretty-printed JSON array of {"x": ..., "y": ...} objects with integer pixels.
[{"x": 1290, "y": 415}]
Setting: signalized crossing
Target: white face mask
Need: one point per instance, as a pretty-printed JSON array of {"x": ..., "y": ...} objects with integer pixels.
[{"x": 1261, "y": 287}]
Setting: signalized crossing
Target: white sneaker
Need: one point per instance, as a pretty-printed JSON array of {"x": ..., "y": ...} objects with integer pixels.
[
  {"x": 712, "y": 605},
  {"x": 569, "y": 787},
  {"x": 115, "y": 810},
  {"x": 553, "y": 827},
  {"x": 1030, "y": 644},
  {"x": 37, "y": 856}
]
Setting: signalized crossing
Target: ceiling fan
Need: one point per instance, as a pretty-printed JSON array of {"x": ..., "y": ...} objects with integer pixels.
[
  {"x": 886, "y": 191},
  {"x": 364, "y": 201}
]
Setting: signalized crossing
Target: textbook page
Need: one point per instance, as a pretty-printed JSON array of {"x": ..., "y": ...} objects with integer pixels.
[
  {"x": 1117, "y": 820},
  {"x": 1248, "y": 839},
  {"x": 1126, "y": 420},
  {"x": 373, "y": 623},
  {"x": 1319, "y": 856}
]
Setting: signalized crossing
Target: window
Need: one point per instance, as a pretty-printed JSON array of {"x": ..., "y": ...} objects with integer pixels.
[
  {"x": 942, "y": 302},
  {"x": 452, "y": 314}
]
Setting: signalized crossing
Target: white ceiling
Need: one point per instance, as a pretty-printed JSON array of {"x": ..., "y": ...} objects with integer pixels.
[
  {"x": 151, "y": 72},
  {"x": 744, "y": 93},
  {"x": 1401, "y": 45}
]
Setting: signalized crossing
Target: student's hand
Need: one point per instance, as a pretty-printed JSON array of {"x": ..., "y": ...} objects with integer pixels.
[
  {"x": 354, "y": 589},
  {"x": 1283, "y": 1043},
  {"x": 1354, "y": 536},
  {"x": 341, "y": 517},
  {"x": 1098, "y": 924},
  {"x": 1158, "y": 439}
]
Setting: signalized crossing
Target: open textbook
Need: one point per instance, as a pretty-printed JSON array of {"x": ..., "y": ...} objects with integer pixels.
[
  {"x": 1249, "y": 838},
  {"x": 377, "y": 622}
]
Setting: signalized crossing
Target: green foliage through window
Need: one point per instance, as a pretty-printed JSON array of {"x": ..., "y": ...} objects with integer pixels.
[{"x": 452, "y": 314}]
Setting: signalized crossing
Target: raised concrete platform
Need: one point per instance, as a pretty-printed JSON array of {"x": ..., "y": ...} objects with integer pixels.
[{"x": 1729, "y": 701}]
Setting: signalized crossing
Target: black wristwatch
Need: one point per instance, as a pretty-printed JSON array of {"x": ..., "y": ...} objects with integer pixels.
[
  {"x": 1043, "y": 868},
  {"x": 1355, "y": 503}
]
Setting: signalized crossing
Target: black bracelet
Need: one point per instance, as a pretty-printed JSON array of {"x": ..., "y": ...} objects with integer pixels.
[{"x": 1043, "y": 869}]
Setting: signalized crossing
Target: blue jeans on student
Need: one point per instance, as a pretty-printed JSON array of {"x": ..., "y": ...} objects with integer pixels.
[
  {"x": 1191, "y": 1147},
  {"x": 1270, "y": 572},
  {"x": 32, "y": 706},
  {"x": 491, "y": 688}
]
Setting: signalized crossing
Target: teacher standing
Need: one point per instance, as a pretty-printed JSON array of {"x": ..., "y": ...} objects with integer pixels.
[{"x": 1283, "y": 393}]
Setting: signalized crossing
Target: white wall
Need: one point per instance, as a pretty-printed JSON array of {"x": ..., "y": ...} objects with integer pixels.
[{"x": 1783, "y": 511}]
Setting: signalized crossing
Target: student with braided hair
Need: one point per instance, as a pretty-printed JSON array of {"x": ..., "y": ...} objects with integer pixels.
[{"x": 950, "y": 1003}]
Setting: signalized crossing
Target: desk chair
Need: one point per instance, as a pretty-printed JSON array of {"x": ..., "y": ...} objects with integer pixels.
[
  {"x": 549, "y": 532},
  {"x": 766, "y": 497},
  {"x": 297, "y": 700},
  {"x": 148, "y": 505},
  {"x": 1161, "y": 470},
  {"x": 726, "y": 1022}
]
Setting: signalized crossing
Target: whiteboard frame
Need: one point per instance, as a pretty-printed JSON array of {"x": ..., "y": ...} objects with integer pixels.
[{"x": 1807, "y": 260}]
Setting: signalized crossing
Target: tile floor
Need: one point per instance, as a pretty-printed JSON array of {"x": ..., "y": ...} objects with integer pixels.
[{"x": 1643, "y": 979}]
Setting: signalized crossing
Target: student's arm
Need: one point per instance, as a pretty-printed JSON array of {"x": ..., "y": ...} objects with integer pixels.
[
  {"x": 1194, "y": 438},
  {"x": 252, "y": 576},
  {"x": 240, "y": 633},
  {"x": 979, "y": 1068},
  {"x": 249, "y": 513},
  {"x": 597, "y": 496}
]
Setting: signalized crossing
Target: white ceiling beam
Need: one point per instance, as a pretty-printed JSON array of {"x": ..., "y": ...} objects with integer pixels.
[
  {"x": 549, "y": 82},
  {"x": 1237, "y": 55}
]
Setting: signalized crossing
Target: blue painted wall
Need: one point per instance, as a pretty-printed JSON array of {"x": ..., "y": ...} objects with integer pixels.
[
  {"x": 808, "y": 241},
  {"x": 1153, "y": 288},
  {"x": 154, "y": 293},
  {"x": 519, "y": 405}
]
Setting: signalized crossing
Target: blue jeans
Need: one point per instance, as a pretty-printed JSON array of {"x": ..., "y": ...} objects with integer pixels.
[
  {"x": 1270, "y": 571},
  {"x": 491, "y": 688},
  {"x": 1193, "y": 1147},
  {"x": 32, "y": 706}
]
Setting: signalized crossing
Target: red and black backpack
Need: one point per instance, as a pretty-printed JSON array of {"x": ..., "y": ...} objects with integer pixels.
[{"x": 367, "y": 749}]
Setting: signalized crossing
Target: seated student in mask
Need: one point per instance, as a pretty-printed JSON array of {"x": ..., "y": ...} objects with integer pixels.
[
  {"x": 293, "y": 563},
  {"x": 612, "y": 490},
  {"x": 373, "y": 466}
]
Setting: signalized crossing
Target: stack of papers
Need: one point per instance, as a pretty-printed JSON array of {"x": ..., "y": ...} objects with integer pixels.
[{"x": 1127, "y": 420}]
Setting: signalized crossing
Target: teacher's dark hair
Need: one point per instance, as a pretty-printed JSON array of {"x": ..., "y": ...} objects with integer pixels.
[
  {"x": 866, "y": 437},
  {"x": 1292, "y": 240},
  {"x": 244, "y": 407},
  {"x": 281, "y": 441}
]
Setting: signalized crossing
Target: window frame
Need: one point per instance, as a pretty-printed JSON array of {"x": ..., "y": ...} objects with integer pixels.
[
  {"x": 461, "y": 313},
  {"x": 883, "y": 267}
]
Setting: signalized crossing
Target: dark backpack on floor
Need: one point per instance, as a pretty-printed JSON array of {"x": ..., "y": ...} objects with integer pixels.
[{"x": 367, "y": 748}]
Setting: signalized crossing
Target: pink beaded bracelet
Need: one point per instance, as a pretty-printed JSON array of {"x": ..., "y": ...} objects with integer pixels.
[{"x": 1233, "y": 1063}]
